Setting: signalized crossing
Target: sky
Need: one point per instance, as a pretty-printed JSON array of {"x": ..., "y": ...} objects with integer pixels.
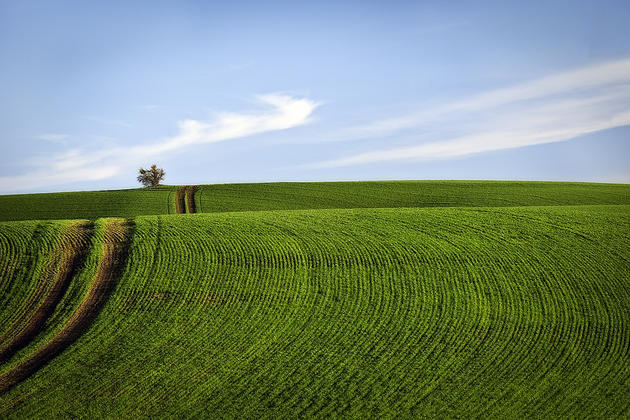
[{"x": 217, "y": 92}]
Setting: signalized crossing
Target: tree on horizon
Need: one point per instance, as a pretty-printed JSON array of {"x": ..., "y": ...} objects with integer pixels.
[{"x": 151, "y": 177}]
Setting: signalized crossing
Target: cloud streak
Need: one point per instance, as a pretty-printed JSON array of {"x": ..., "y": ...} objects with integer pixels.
[
  {"x": 550, "y": 109},
  {"x": 282, "y": 112},
  {"x": 287, "y": 112}
]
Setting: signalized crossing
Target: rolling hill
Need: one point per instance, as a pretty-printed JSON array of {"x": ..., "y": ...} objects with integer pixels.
[
  {"x": 375, "y": 299},
  {"x": 307, "y": 195}
]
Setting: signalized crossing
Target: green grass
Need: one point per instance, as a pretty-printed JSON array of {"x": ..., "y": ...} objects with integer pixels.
[
  {"x": 78, "y": 287},
  {"x": 395, "y": 194},
  {"x": 88, "y": 204},
  {"x": 315, "y": 195},
  {"x": 500, "y": 312},
  {"x": 25, "y": 248}
]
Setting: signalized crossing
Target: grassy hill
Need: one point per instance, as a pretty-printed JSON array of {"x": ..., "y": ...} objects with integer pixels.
[
  {"x": 474, "y": 310},
  {"x": 88, "y": 204},
  {"x": 308, "y": 195}
]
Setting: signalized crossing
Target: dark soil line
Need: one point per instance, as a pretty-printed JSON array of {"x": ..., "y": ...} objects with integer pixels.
[
  {"x": 180, "y": 200},
  {"x": 65, "y": 261},
  {"x": 118, "y": 234},
  {"x": 190, "y": 198}
]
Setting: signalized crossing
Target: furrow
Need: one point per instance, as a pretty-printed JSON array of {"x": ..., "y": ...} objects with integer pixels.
[
  {"x": 180, "y": 200},
  {"x": 190, "y": 198},
  {"x": 116, "y": 241},
  {"x": 68, "y": 258}
]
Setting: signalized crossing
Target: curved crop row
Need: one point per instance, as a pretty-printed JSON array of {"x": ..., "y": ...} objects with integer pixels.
[
  {"x": 25, "y": 250},
  {"x": 116, "y": 240},
  {"x": 505, "y": 312},
  {"x": 62, "y": 265}
]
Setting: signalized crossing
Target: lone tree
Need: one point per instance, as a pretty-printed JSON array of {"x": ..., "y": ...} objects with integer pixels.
[{"x": 151, "y": 177}]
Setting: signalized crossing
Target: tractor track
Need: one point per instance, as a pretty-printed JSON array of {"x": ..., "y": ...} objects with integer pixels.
[
  {"x": 190, "y": 198},
  {"x": 116, "y": 241},
  {"x": 180, "y": 200},
  {"x": 185, "y": 199},
  {"x": 67, "y": 259}
]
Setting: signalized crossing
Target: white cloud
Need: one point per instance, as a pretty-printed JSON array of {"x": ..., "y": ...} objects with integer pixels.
[
  {"x": 80, "y": 165},
  {"x": 286, "y": 112},
  {"x": 551, "y": 109}
]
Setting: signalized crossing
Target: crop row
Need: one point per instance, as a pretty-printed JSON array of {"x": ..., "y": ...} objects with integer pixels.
[
  {"x": 53, "y": 282},
  {"x": 24, "y": 248},
  {"x": 438, "y": 312},
  {"x": 64, "y": 263}
]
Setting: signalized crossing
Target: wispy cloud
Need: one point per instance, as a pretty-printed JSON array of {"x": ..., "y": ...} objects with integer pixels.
[
  {"x": 286, "y": 112},
  {"x": 551, "y": 109},
  {"x": 283, "y": 112}
]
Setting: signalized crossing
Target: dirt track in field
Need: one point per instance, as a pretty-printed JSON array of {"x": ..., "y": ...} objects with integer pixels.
[
  {"x": 180, "y": 200},
  {"x": 185, "y": 199},
  {"x": 117, "y": 238},
  {"x": 190, "y": 198},
  {"x": 61, "y": 267}
]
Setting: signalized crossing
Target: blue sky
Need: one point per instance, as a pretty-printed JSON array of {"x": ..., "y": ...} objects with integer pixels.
[{"x": 312, "y": 91}]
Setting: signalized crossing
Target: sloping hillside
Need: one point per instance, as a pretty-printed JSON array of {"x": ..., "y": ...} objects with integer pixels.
[{"x": 449, "y": 312}]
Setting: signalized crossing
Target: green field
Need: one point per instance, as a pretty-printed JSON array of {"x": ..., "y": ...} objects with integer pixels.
[
  {"x": 88, "y": 204},
  {"x": 308, "y": 195},
  {"x": 362, "y": 300}
]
